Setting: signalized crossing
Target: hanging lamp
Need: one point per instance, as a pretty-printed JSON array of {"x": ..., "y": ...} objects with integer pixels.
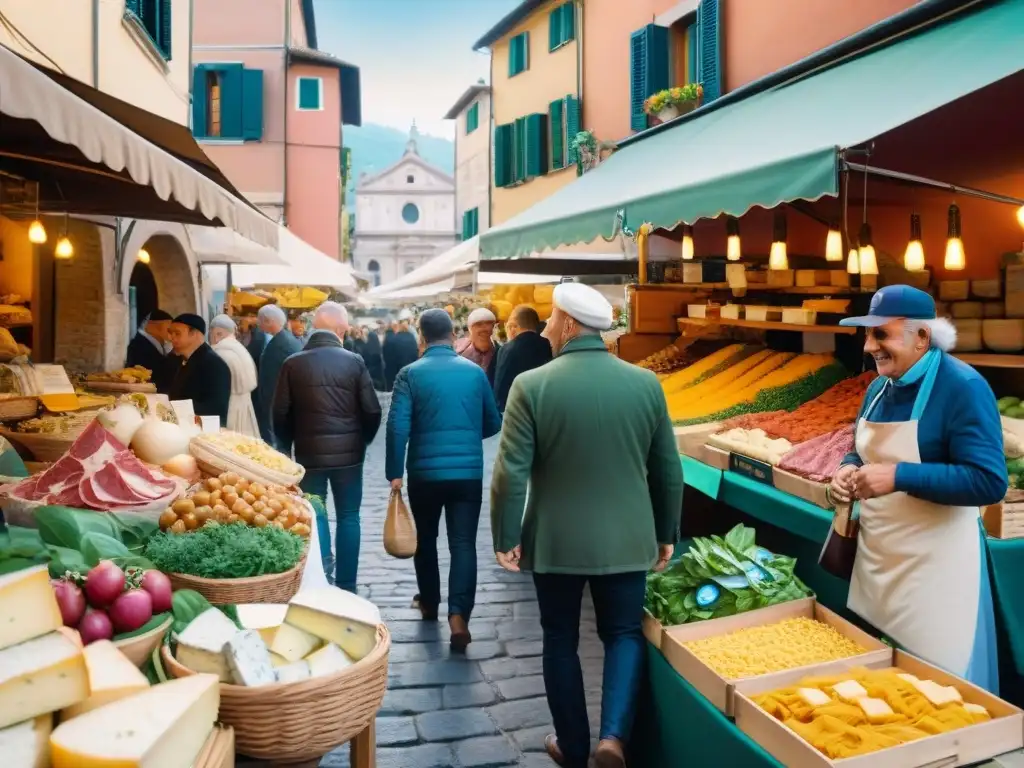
[
  {"x": 64, "y": 249},
  {"x": 732, "y": 244},
  {"x": 36, "y": 230},
  {"x": 834, "y": 243},
  {"x": 956, "y": 259},
  {"x": 687, "y": 247},
  {"x": 913, "y": 259},
  {"x": 866, "y": 252},
  {"x": 778, "y": 258}
]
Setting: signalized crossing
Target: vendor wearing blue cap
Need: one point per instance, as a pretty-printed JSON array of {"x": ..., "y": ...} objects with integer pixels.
[{"x": 928, "y": 454}]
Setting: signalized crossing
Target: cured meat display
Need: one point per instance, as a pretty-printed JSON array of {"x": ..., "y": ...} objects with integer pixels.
[
  {"x": 819, "y": 458},
  {"x": 98, "y": 472}
]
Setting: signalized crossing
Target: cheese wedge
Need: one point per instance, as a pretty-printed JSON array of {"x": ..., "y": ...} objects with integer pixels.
[
  {"x": 337, "y": 616},
  {"x": 278, "y": 661},
  {"x": 293, "y": 673},
  {"x": 249, "y": 659},
  {"x": 265, "y": 618},
  {"x": 850, "y": 690},
  {"x": 111, "y": 677},
  {"x": 25, "y": 745},
  {"x": 201, "y": 645},
  {"x": 292, "y": 643},
  {"x": 875, "y": 710},
  {"x": 162, "y": 727},
  {"x": 28, "y": 606},
  {"x": 327, "y": 661},
  {"x": 41, "y": 676},
  {"x": 813, "y": 697}
]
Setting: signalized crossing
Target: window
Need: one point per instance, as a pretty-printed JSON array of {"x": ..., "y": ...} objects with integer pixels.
[
  {"x": 410, "y": 213},
  {"x": 519, "y": 54},
  {"x": 155, "y": 17},
  {"x": 470, "y": 223},
  {"x": 563, "y": 125},
  {"x": 374, "y": 269},
  {"x": 520, "y": 150},
  {"x": 473, "y": 118},
  {"x": 410, "y": 179},
  {"x": 409, "y": 266},
  {"x": 309, "y": 94},
  {"x": 648, "y": 61},
  {"x": 227, "y": 102},
  {"x": 562, "y": 25},
  {"x": 692, "y": 48},
  {"x": 709, "y": 66}
]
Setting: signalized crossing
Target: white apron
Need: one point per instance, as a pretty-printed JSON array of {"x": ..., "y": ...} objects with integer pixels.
[{"x": 920, "y": 574}]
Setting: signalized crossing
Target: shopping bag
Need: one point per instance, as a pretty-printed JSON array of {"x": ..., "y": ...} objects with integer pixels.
[
  {"x": 840, "y": 550},
  {"x": 399, "y": 528}
]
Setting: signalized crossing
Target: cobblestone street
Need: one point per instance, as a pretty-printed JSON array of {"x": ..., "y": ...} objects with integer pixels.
[{"x": 486, "y": 709}]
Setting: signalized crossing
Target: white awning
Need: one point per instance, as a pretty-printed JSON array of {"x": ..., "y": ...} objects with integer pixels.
[
  {"x": 219, "y": 245},
  {"x": 465, "y": 254},
  {"x": 426, "y": 291}
]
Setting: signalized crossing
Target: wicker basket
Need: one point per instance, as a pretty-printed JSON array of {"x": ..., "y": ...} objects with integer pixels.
[
  {"x": 272, "y": 588},
  {"x": 120, "y": 386},
  {"x": 214, "y": 462},
  {"x": 138, "y": 649},
  {"x": 18, "y": 408},
  {"x": 295, "y": 722},
  {"x": 42, "y": 447}
]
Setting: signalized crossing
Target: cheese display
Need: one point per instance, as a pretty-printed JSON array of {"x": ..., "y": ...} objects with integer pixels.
[
  {"x": 327, "y": 661},
  {"x": 27, "y": 605},
  {"x": 338, "y": 617},
  {"x": 265, "y": 618},
  {"x": 293, "y": 673},
  {"x": 26, "y": 744},
  {"x": 41, "y": 676},
  {"x": 201, "y": 645},
  {"x": 249, "y": 659},
  {"x": 292, "y": 644},
  {"x": 862, "y": 711},
  {"x": 163, "y": 727},
  {"x": 112, "y": 677}
]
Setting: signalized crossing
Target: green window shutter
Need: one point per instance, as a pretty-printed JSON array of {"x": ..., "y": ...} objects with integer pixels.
[
  {"x": 230, "y": 101},
  {"x": 519, "y": 54},
  {"x": 519, "y": 150},
  {"x": 561, "y": 25},
  {"x": 309, "y": 93},
  {"x": 536, "y": 145},
  {"x": 556, "y": 122},
  {"x": 572, "y": 127},
  {"x": 473, "y": 118},
  {"x": 692, "y": 48},
  {"x": 568, "y": 22},
  {"x": 476, "y": 222},
  {"x": 465, "y": 225},
  {"x": 470, "y": 223},
  {"x": 503, "y": 155},
  {"x": 133, "y": 6},
  {"x": 555, "y": 28},
  {"x": 199, "y": 97},
  {"x": 165, "y": 27},
  {"x": 710, "y": 49},
  {"x": 252, "y": 104},
  {"x": 649, "y": 70}
]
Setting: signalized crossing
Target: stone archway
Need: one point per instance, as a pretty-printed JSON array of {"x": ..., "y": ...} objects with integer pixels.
[{"x": 171, "y": 272}]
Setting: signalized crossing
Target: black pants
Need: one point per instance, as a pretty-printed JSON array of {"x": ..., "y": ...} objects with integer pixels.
[{"x": 460, "y": 501}]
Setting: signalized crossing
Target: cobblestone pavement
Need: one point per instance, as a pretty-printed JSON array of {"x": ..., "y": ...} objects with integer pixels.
[{"x": 484, "y": 709}]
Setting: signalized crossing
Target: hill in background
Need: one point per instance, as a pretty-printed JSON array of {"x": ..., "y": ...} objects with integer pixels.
[{"x": 375, "y": 147}]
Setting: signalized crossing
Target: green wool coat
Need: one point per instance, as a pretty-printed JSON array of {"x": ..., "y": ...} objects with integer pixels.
[{"x": 587, "y": 448}]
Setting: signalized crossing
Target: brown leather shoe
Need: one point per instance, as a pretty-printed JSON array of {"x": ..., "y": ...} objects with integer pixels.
[
  {"x": 609, "y": 754},
  {"x": 460, "y": 633},
  {"x": 553, "y": 750}
]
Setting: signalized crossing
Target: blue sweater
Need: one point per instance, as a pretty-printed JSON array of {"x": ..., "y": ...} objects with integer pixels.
[
  {"x": 442, "y": 408},
  {"x": 960, "y": 437}
]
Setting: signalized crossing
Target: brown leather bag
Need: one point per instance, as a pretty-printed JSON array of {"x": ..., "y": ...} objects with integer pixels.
[
  {"x": 840, "y": 549},
  {"x": 399, "y": 528}
]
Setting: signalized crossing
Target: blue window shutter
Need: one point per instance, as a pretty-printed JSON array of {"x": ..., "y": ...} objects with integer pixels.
[
  {"x": 572, "y": 127},
  {"x": 252, "y": 104},
  {"x": 649, "y": 70},
  {"x": 556, "y": 124},
  {"x": 555, "y": 28},
  {"x": 503, "y": 155},
  {"x": 473, "y": 118},
  {"x": 465, "y": 225},
  {"x": 230, "y": 101},
  {"x": 199, "y": 97},
  {"x": 710, "y": 49},
  {"x": 569, "y": 21},
  {"x": 476, "y": 222},
  {"x": 165, "y": 27},
  {"x": 692, "y": 47},
  {"x": 536, "y": 145},
  {"x": 134, "y": 6}
]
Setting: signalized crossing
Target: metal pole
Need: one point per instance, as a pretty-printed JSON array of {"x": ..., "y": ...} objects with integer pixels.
[{"x": 922, "y": 181}]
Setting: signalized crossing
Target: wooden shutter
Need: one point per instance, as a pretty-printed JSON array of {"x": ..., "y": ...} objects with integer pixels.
[
  {"x": 519, "y": 154},
  {"x": 555, "y": 28},
  {"x": 231, "y": 100},
  {"x": 199, "y": 97},
  {"x": 252, "y": 104},
  {"x": 166, "y": 27},
  {"x": 503, "y": 155},
  {"x": 710, "y": 49},
  {"x": 536, "y": 145},
  {"x": 568, "y": 22},
  {"x": 572, "y": 127},
  {"x": 556, "y": 122},
  {"x": 649, "y": 66}
]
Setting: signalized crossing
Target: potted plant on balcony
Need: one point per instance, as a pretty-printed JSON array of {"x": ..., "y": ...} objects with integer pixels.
[{"x": 672, "y": 102}]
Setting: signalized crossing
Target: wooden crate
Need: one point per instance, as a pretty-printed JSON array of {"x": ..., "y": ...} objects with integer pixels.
[{"x": 1004, "y": 520}]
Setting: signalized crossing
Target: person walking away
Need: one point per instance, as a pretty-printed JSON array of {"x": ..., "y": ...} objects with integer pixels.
[
  {"x": 325, "y": 402},
  {"x": 241, "y": 414},
  {"x": 479, "y": 346},
  {"x": 373, "y": 358},
  {"x": 928, "y": 453},
  {"x": 442, "y": 409},
  {"x": 604, "y": 503},
  {"x": 400, "y": 349},
  {"x": 526, "y": 350},
  {"x": 148, "y": 348},
  {"x": 201, "y": 375},
  {"x": 281, "y": 344}
]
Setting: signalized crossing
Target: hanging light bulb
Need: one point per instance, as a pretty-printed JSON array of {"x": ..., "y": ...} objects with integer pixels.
[
  {"x": 866, "y": 253},
  {"x": 834, "y": 244},
  {"x": 687, "y": 242},
  {"x": 853, "y": 262},
  {"x": 1020, "y": 215},
  {"x": 956, "y": 259},
  {"x": 143, "y": 256},
  {"x": 36, "y": 232},
  {"x": 64, "y": 249},
  {"x": 778, "y": 258},
  {"x": 732, "y": 245},
  {"x": 913, "y": 259}
]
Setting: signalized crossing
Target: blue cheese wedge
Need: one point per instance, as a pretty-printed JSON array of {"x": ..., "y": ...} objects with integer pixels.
[
  {"x": 338, "y": 617},
  {"x": 25, "y": 745},
  {"x": 293, "y": 673},
  {"x": 249, "y": 660},
  {"x": 328, "y": 660},
  {"x": 201, "y": 645}
]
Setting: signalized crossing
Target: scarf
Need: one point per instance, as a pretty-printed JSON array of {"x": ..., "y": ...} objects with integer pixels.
[{"x": 464, "y": 348}]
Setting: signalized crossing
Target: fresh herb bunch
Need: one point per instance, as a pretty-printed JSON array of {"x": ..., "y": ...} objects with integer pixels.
[{"x": 232, "y": 551}]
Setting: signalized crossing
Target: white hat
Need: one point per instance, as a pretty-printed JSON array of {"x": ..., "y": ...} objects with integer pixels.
[
  {"x": 584, "y": 304},
  {"x": 481, "y": 315}
]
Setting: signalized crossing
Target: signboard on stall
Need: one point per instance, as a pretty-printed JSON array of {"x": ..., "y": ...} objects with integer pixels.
[{"x": 50, "y": 383}]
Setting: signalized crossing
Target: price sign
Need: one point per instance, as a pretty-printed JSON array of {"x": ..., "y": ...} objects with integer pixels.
[{"x": 184, "y": 411}]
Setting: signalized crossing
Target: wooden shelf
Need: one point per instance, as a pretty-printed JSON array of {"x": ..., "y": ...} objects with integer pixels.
[
  {"x": 765, "y": 325},
  {"x": 990, "y": 360},
  {"x": 816, "y": 290}
]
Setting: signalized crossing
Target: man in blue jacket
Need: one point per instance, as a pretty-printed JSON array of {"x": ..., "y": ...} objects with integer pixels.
[{"x": 442, "y": 409}]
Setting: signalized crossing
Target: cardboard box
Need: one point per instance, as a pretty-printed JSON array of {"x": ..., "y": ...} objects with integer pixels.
[
  {"x": 839, "y": 278},
  {"x": 801, "y": 487},
  {"x": 1004, "y": 520},
  {"x": 720, "y": 690},
  {"x": 1003, "y": 733},
  {"x": 652, "y": 630},
  {"x": 714, "y": 457},
  {"x": 690, "y": 440},
  {"x": 808, "y": 278}
]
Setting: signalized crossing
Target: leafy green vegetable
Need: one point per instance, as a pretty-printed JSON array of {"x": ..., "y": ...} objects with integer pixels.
[
  {"x": 20, "y": 548},
  {"x": 187, "y": 604},
  {"x": 741, "y": 577},
  {"x": 67, "y": 527},
  {"x": 232, "y": 551}
]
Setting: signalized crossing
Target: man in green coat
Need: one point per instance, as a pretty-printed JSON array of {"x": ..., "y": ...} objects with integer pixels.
[{"x": 587, "y": 449}]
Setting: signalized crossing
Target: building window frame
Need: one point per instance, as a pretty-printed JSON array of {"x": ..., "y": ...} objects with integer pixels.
[
  {"x": 519, "y": 54},
  {"x": 155, "y": 18},
  {"x": 473, "y": 118},
  {"x": 410, "y": 213},
  {"x": 319, "y": 93},
  {"x": 561, "y": 26}
]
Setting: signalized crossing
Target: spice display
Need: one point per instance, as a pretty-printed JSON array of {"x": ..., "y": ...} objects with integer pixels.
[
  {"x": 231, "y": 551},
  {"x": 134, "y": 375},
  {"x": 59, "y": 424},
  {"x": 706, "y": 367},
  {"x": 722, "y": 576},
  {"x": 864, "y": 710},
  {"x": 753, "y": 443},
  {"x": 818, "y": 459},
  {"x": 670, "y": 359},
  {"x": 774, "y": 647}
]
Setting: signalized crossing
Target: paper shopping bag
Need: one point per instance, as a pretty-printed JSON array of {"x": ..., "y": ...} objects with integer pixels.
[
  {"x": 840, "y": 550},
  {"x": 399, "y": 528}
]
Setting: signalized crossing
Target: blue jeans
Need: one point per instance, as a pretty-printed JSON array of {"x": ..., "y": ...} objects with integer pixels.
[
  {"x": 347, "y": 488},
  {"x": 619, "y": 605},
  {"x": 460, "y": 501}
]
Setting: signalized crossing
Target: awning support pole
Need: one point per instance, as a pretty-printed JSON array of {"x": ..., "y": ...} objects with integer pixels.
[
  {"x": 922, "y": 181},
  {"x": 642, "y": 233}
]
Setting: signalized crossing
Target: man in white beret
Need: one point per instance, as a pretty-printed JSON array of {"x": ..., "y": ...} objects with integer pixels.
[
  {"x": 479, "y": 346},
  {"x": 591, "y": 438}
]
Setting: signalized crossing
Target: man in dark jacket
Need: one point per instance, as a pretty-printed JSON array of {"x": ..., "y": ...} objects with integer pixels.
[
  {"x": 442, "y": 410},
  {"x": 526, "y": 350},
  {"x": 325, "y": 402},
  {"x": 371, "y": 353},
  {"x": 282, "y": 345},
  {"x": 400, "y": 349},
  {"x": 147, "y": 348},
  {"x": 200, "y": 375}
]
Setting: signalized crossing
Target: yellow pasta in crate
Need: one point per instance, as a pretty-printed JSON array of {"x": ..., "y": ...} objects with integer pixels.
[{"x": 543, "y": 294}]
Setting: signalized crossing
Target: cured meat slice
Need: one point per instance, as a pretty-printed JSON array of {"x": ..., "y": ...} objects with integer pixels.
[
  {"x": 69, "y": 495},
  {"x": 142, "y": 478},
  {"x": 111, "y": 488},
  {"x": 95, "y": 442}
]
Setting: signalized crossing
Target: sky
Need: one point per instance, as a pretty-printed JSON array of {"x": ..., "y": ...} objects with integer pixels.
[{"x": 415, "y": 56}]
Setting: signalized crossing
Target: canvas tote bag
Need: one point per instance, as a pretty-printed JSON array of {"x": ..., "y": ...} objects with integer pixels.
[{"x": 399, "y": 528}]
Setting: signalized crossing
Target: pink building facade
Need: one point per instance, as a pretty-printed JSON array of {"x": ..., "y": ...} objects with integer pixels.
[{"x": 268, "y": 108}]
